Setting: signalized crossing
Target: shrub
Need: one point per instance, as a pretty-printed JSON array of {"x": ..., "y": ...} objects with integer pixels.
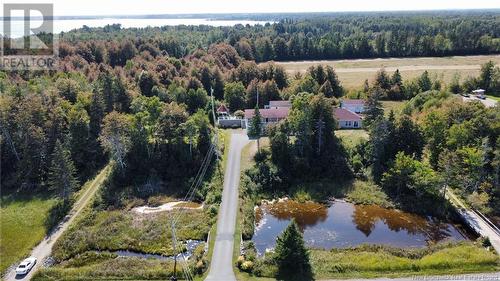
[
  {"x": 240, "y": 261},
  {"x": 247, "y": 266}
]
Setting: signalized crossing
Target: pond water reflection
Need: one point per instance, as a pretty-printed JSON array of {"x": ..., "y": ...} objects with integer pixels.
[{"x": 344, "y": 224}]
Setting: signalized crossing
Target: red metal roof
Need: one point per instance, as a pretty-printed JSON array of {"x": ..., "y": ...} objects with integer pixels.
[
  {"x": 357, "y": 101},
  {"x": 280, "y": 103},
  {"x": 222, "y": 108},
  {"x": 281, "y": 112},
  {"x": 345, "y": 115}
]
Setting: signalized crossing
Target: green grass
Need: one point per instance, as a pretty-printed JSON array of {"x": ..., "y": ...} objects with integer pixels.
[
  {"x": 368, "y": 193},
  {"x": 107, "y": 267},
  {"x": 22, "y": 226},
  {"x": 372, "y": 261},
  {"x": 125, "y": 230},
  {"x": 493, "y": 97},
  {"x": 351, "y": 138},
  {"x": 375, "y": 261}
]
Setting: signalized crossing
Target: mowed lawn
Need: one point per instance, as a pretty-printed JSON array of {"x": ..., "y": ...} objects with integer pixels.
[
  {"x": 22, "y": 226},
  {"x": 353, "y": 73}
]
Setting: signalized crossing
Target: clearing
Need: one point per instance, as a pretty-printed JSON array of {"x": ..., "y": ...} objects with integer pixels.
[
  {"x": 22, "y": 226},
  {"x": 353, "y": 73}
]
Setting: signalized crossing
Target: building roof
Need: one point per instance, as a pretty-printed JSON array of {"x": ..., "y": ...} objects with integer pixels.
[
  {"x": 222, "y": 108},
  {"x": 346, "y": 115},
  {"x": 280, "y": 103},
  {"x": 280, "y": 113},
  {"x": 356, "y": 101}
]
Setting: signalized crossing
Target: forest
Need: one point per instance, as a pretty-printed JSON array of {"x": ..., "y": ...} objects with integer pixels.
[{"x": 324, "y": 36}]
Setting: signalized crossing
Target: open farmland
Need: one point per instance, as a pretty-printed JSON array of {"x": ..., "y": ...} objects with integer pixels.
[{"x": 353, "y": 73}]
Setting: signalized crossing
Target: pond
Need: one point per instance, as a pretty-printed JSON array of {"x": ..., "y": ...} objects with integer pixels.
[{"x": 343, "y": 224}]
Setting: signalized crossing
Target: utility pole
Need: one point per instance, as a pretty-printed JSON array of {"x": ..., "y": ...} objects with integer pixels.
[
  {"x": 174, "y": 276},
  {"x": 320, "y": 126},
  {"x": 213, "y": 106},
  {"x": 258, "y": 133}
]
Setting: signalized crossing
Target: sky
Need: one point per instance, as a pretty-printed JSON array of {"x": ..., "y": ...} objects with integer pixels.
[{"x": 141, "y": 7}]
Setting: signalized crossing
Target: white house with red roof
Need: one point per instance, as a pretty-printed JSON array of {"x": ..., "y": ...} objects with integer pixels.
[
  {"x": 347, "y": 119},
  {"x": 353, "y": 105}
]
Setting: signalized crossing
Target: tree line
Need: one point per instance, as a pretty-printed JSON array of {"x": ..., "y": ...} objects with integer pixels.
[{"x": 333, "y": 36}]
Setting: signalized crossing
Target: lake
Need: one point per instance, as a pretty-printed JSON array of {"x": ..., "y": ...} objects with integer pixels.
[
  {"x": 70, "y": 24},
  {"x": 344, "y": 224}
]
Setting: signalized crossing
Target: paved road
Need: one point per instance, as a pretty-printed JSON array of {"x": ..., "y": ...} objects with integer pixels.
[
  {"x": 221, "y": 267},
  {"x": 43, "y": 250},
  {"x": 495, "y": 276},
  {"x": 476, "y": 222}
]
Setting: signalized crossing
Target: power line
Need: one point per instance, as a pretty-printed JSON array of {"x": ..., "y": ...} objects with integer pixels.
[{"x": 197, "y": 181}]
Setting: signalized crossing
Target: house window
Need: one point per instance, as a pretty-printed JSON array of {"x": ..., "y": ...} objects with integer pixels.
[
  {"x": 355, "y": 124},
  {"x": 348, "y": 123}
]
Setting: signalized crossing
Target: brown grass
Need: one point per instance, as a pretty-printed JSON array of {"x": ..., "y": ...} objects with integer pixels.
[{"x": 353, "y": 73}]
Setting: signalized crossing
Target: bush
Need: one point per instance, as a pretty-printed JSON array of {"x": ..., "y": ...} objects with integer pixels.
[
  {"x": 240, "y": 261},
  {"x": 247, "y": 266}
]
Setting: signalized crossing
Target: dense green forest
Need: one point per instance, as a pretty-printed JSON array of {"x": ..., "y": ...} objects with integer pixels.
[{"x": 324, "y": 36}]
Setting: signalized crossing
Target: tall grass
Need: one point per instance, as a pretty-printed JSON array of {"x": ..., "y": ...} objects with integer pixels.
[
  {"x": 374, "y": 261},
  {"x": 125, "y": 230}
]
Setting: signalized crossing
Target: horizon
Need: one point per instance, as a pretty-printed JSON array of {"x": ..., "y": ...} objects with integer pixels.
[
  {"x": 243, "y": 14},
  {"x": 193, "y": 7}
]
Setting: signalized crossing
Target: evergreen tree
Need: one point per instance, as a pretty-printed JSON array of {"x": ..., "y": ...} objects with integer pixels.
[
  {"x": 122, "y": 99},
  {"x": 408, "y": 138},
  {"x": 255, "y": 124},
  {"x": 454, "y": 86},
  {"x": 105, "y": 88},
  {"x": 218, "y": 85},
  {"x": 486, "y": 76},
  {"x": 382, "y": 80},
  {"x": 292, "y": 256},
  {"x": 396, "y": 79},
  {"x": 326, "y": 89},
  {"x": 381, "y": 134},
  {"x": 373, "y": 107},
  {"x": 62, "y": 172},
  {"x": 331, "y": 76},
  {"x": 424, "y": 82},
  {"x": 366, "y": 87}
]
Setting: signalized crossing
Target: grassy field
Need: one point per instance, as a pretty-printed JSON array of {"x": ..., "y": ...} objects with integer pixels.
[
  {"x": 22, "y": 226},
  {"x": 377, "y": 261},
  {"x": 353, "y": 73}
]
